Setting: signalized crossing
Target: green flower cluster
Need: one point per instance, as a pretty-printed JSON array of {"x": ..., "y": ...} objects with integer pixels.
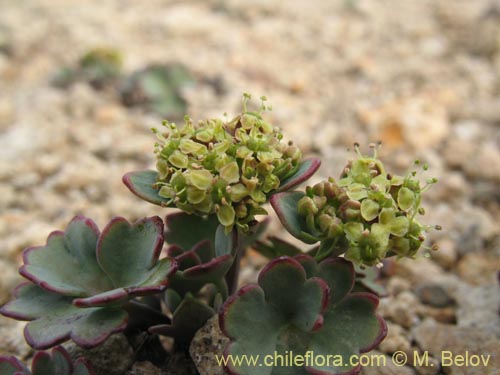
[
  {"x": 224, "y": 167},
  {"x": 369, "y": 212}
]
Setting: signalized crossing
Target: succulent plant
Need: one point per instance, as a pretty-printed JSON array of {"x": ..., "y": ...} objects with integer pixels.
[
  {"x": 58, "y": 362},
  {"x": 368, "y": 214},
  {"x": 158, "y": 88},
  {"x": 198, "y": 267},
  {"x": 81, "y": 280},
  {"x": 227, "y": 168},
  {"x": 367, "y": 278},
  {"x": 300, "y": 306},
  {"x": 99, "y": 67},
  {"x": 86, "y": 285}
]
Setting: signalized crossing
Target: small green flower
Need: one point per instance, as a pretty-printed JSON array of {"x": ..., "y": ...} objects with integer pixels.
[
  {"x": 227, "y": 168},
  {"x": 368, "y": 214}
]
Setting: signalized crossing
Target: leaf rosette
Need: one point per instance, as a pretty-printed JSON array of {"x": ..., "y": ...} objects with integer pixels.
[
  {"x": 301, "y": 306},
  {"x": 58, "y": 362},
  {"x": 82, "y": 279}
]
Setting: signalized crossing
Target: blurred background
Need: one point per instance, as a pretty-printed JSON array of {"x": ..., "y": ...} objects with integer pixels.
[{"x": 82, "y": 83}]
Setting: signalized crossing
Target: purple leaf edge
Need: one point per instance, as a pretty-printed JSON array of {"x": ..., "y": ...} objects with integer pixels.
[
  {"x": 26, "y": 254},
  {"x": 275, "y": 203},
  {"x": 295, "y": 180},
  {"x": 155, "y": 220},
  {"x": 127, "y": 181},
  {"x": 86, "y": 344}
]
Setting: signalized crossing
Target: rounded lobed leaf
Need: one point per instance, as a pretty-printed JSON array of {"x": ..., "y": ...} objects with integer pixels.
[
  {"x": 54, "y": 319},
  {"x": 301, "y": 306},
  {"x": 67, "y": 264},
  {"x": 190, "y": 315},
  {"x": 105, "y": 268},
  {"x": 127, "y": 252},
  {"x": 58, "y": 362},
  {"x": 10, "y": 365},
  {"x": 185, "y": 230}
]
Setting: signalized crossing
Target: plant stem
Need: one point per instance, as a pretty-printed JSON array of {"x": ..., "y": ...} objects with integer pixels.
[
  {"x": 234, "y": 272},
  {"x": 142, "y": 316}
]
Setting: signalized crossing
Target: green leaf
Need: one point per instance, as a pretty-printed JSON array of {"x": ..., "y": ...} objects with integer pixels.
[
  {"x": 366, "y": 281},
  {"x": 290, "y": 311},
  {"x": 187, "y": 319},
  {"x": 67, "y": 264},
  {"x": 273, "y": 247},
  {"x": 58, "y": 362},
  {"x": 54, "y": 319},
  {"x": 143, "y": 184},
  {"x": 305, "y": 170},
  {"x": 12, "y": 366},
  {"x": 350, "y": 328},
  {"x": 186, "y": 230},
  {"x": 128, "y": 253},
  {"x": 285, "y": 204},
  {"x": 224, "y": 243}
]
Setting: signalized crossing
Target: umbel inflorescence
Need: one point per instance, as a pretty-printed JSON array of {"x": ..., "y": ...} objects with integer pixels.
[
  {"x": 368, "y": 213},
  {"x": 226, "y": 167}
]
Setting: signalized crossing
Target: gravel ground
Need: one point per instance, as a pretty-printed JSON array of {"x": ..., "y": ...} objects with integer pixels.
[{"x": 421, "y": 76}]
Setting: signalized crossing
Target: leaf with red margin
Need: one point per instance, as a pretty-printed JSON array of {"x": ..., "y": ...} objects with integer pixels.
[
  {"x": 188, "y": 318},
  {"x": 285, "y": 206},
  {"x": 101, "y": 268},
  {"x": 58, "y": 362},
  {"x": 349, "y": 324},
  {"x": 67, "y": 264},
  {"x": 274, "y": 247},
  {"x": 143, "y": 184},
  {"x": 193, "y": 279},
  {"x": 128, "y": 254},
  {"x": 278, "y": 314},
  {"x": 306, "y": 169},
  {"x": 54, "y": 319},
  {"x": 186, "y": 230},
  {"x": 12, "y": 366}
]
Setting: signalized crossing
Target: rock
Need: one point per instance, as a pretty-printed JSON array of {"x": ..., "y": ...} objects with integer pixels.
[
  {"x": 9, "y": 279},
  {"x": 413, "y": 269},
  {"x": 386, "y": 367},
  {"x": 430, "y": 368},
  {"x": 13, "y": 343},
  {"x": 478, "y": 307},
  {"x": 478, "y": 268},
  {"x": 436, "y": 337},
  {"x": 7, "y": 113},
  {"x": 401, "y": 310},
  {"x": 420, "y": 121},
  {"x": 144, "y": 368},
  {"x": 113, "y": 357},
  {"x": 179, "y": 364},
  {"x": 443, "y": 315},
  {"x": 452, "y": 186},
  {"x": 446, "y": 256},
  {"x": 208, "y": 342},
  {"x": 396, "y": 285},
  {"x": 487, "y": 154},
  {"x": 434, "y": 295},
  {"x": 396, "y": 340}
]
